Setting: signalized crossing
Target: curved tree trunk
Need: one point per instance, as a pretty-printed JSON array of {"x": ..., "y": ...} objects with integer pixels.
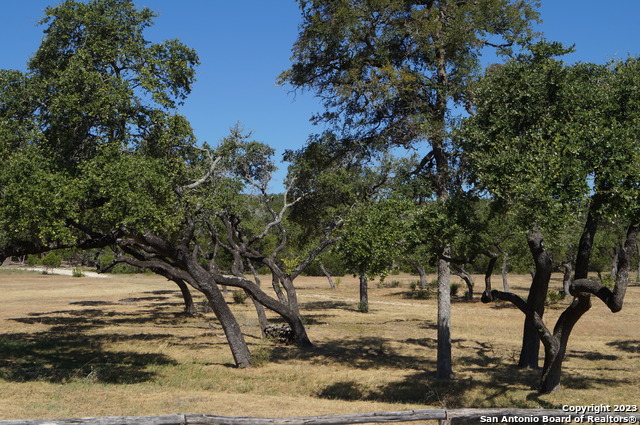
[
  {"x": 583, "y": 289},
  {"x": 535, "y": 300},
  {"x": 552, "y": 369},
  {"x": 262, "y": 316},
  {"x": 468, "y": 280},
  {"x": 503, "y": 269},
  {"x": 292, "y": 317},
  {"x": 421, "y": 272},
  {"x": 328, "y": 275},
  {"x": 189, "y": 306},
  {"x": 275, "y": 283},
  {"x": 230, "y": 325}
]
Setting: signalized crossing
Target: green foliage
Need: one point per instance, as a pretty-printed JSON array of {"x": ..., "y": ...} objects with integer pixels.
[
  {"x": 390, "y": 74},
  {"x": 608, "y": 281},
  {"x": 547, "y": 137},
  {"x": 419, "y": 293},
  {"x": 454, "y": 287},
  {"x": 553, "y": 297},
  {"x": 77, "y": 272},
  {"x": 107, "y": 257},
  {"x": 87, "y": 134},
  {"x": 375, "y": 64},
  {"x": 239, "y": 296},
  {"x": 52, "y": 259},
  {"x": 389, "y": 284},
  {"x": 374, "y": 235}
]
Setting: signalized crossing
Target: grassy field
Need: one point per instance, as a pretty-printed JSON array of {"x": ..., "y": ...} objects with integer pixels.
[{"x": 77, "y": 347}]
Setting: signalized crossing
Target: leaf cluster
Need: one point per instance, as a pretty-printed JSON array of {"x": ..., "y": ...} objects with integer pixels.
[
  {"x": 385, "y": 68},
  {"x": 548, "y": 139}
]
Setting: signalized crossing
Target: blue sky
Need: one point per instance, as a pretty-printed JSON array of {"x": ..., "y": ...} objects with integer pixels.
[{"x": 244, "y": 44}]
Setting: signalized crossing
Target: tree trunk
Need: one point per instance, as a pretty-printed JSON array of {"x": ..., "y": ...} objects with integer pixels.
[
  {"x": 583, "y": 288},
  {"x": 444, "y": 368},
  {"x": 262, "y": 316},
  {"x": 614, "y": 262},
  {"x": 468, "y": 280},
  {"x": 552, "y": 369},
  {"x": 232, "y": 331},
  {"x": 503, "y": 271},
  {"x": 283, "y": 309},
  {"x": 423, "y": 276},
  {"x": 489, "y": 272},
  {"x": 363, "y": 306},
  {"x": 584, "y": 247},
  {"x": 189, "y": 306},
  {"x": 328, "y": 275},
  {"x": 536, "y": 299},
  {"x": 566, "y": 278},
  {"x": 421, "y": 272},
  {"x": 275, "y": 282},
  {"x": 638, "y": 271},
  {"x": 292, "y": 294},
  {"x": 554, "y": 354}
]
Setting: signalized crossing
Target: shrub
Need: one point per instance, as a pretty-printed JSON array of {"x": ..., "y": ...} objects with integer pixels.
[
  {"x": 51, "y": 260},
  {"x": 77, "y": 272},
  {"x": 553, "y": 297},
  {"x": 239, "y": 296},
  {"x": 418, "y": 293},
  {"x": 261, "y": 355},
  {"x": 392, "y": 284},
  {"x": 454, "y": 287}
]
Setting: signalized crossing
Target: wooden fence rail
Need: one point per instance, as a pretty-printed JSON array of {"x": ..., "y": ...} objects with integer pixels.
[{"x": 444, "y": 416}]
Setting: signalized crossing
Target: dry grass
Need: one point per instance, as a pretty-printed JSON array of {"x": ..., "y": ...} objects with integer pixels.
[{"x": 125, "y": 342}]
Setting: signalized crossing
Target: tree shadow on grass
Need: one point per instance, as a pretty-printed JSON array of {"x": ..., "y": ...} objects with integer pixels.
[
  {"x": 629, "y": 346},
  {"x": 500, "y": 377},
  {"x": 73, "y": 347},
  {"x": 590, "y": 355},
  {"x": 417, "y": 388},
  {"x": 60, "y": 355},
  {"x": 363, "y": 353},
  {"x": 325, "y": 305}
]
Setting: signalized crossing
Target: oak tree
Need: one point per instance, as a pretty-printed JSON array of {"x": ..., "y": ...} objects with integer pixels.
[{"x": 390, "y": 73}]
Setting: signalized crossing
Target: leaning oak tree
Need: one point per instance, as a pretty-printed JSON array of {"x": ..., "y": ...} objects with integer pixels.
[
  {"x": 553, "y": 144},
  {"x": 389, "y": 73},
  {"x": 95, "y": 85},
  {"x": 94, "y": 153},
  {"x": 213, "y": 214}
]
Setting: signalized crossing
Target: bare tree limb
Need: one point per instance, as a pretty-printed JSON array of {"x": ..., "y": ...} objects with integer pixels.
[{"x": 213, "y": 163}]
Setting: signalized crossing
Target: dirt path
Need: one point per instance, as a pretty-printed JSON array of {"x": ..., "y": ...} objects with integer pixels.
[
  {"x": 351, "y": 300},
  {"x": 59, "y": 271}
]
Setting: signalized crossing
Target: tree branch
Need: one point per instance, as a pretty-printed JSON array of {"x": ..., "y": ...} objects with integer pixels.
[{"x": 214, "y": 162}]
